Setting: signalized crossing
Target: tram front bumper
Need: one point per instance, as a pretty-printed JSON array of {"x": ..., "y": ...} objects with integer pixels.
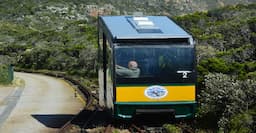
[{"x": 127, "y": 110}]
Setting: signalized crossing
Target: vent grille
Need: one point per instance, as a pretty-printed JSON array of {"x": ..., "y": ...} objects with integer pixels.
[{"x": 143, "y": 25}]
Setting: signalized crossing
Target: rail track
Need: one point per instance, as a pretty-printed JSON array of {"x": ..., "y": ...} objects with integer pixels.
[{"x": 99, "y": 117}]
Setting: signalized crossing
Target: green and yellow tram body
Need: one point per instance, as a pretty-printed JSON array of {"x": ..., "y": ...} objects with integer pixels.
[{"x": 165, "y": 57}]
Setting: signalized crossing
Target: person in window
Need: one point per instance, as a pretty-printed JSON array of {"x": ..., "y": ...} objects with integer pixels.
[{"x": 131, "y": 72}]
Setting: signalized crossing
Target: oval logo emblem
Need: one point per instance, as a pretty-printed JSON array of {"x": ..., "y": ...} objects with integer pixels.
[{"x": 155, "y": 92}]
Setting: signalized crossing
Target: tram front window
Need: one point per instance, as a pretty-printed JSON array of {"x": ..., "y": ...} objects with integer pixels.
[{"x": 155, "y": 63}]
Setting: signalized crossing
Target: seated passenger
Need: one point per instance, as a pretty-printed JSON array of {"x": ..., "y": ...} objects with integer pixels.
[{"x": 131, "y": 72}]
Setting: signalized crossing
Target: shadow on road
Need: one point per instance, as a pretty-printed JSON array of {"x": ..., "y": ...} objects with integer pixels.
[
  {"x": 53, "y": 120},
  {"x": 92, "y": 118}
]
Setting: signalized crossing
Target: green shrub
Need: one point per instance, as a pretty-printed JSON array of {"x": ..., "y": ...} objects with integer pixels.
[
  {"x": 4, "y": 75},
  {"x": 252, "y": 24},
  {"x": 205, "y": 52},
  {"x": 236, "y": 68},
  {"x": 211, "y": 36},
  {"x": 251, "y": 75},
  {"x": 215, "y": 65},
  {"x": 250, "y": 66},
  {"x": 172, "y": 128},
  {"x": 253, "y": 38},
  {"x": 225, "y": 97},
  {"x": 241, "y": 123}
]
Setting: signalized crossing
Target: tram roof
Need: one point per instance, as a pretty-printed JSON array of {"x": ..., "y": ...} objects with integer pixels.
[{"x": 151, "y": 27}]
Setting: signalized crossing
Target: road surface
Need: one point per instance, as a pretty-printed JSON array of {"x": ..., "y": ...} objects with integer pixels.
[{"x": 42, "y": 106}]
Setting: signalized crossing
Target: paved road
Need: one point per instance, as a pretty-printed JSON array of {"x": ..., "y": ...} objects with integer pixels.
[
  {"x": 44, "y": 105},
  {"x": 9, "y": 97},
  {"x": 7, "y": 94}
]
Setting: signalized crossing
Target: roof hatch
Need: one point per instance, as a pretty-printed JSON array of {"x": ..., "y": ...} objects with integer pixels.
[{"x": 143, "y": 25}]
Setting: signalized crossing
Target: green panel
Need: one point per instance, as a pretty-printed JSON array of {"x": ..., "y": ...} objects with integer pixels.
[
  {"x": 10, "y": 73},
  {"x": 182, "y": 109}
]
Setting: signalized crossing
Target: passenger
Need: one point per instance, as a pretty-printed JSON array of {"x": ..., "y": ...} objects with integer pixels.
[{"x": 131, "y": 72}]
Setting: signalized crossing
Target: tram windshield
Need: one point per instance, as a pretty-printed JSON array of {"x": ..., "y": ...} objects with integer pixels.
[{"x": 154, "y": 63}]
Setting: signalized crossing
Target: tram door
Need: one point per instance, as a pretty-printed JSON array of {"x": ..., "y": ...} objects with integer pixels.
[{"x": 105, "y": 71}]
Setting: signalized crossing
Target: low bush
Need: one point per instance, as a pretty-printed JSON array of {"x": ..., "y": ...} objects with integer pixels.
[
  {"x": 241, "y": 123},
  {"x": 225, "y": 97},
  {"x": 172, "y": 128},
  {"x": 4, "y": 75}
]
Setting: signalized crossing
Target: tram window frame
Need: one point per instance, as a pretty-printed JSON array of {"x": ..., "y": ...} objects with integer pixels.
[{"x": 106, "y": 64}]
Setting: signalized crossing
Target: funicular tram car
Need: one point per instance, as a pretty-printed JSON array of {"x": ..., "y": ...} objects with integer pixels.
[{"x": 147, "y": 65}]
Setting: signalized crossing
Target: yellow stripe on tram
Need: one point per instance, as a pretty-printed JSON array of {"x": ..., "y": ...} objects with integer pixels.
[{"x": 137, "y": 94}]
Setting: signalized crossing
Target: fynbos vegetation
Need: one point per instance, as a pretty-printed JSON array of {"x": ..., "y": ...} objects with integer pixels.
[{"x": 226, "y": 51}]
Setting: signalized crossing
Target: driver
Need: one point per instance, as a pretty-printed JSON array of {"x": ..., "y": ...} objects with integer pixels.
[{"x": 131, "y": 72}]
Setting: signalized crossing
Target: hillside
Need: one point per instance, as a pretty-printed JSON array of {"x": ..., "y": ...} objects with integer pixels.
[
  {"x": 61, "y": 32},
  {"x": 226, "y": 57}
]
